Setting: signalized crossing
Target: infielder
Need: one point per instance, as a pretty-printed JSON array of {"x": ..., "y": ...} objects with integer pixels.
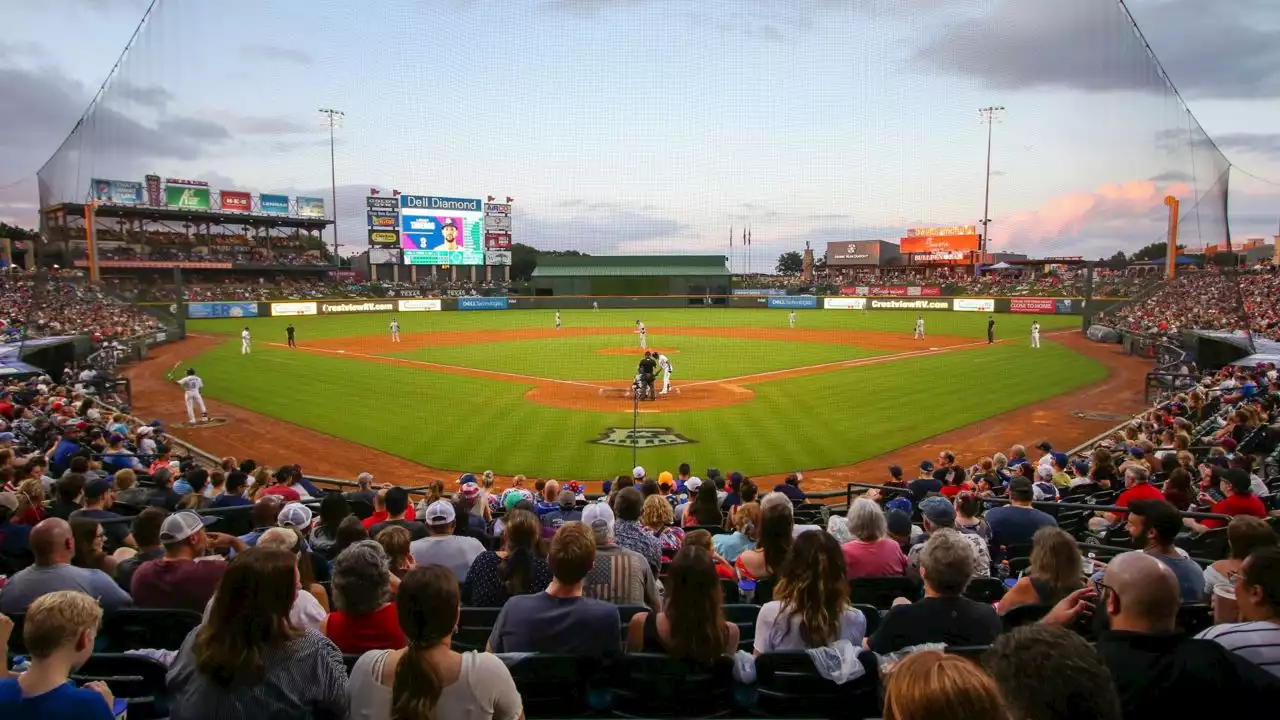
[
  {"x": 292, "y": 342},
  {"x": 919, "y": 334},
  {"x": 244, "y": 341},
  {"x": 665, "y": 363},
  {"x": 557, "y": 319},
  {"x": 644, "y": 335},
  {"x": 395, "y": 330},
  {"x": 192, "y": 384},
  {"x": 792, "y": 318},
  {"x": 1035, "y": 334}
]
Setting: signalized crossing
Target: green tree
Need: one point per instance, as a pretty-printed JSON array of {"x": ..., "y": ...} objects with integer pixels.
[
  {"x": 1154, "y": 251},
  {"x": 14, "y": 232},
  {"x": 1225, "y": 259},
  {"x": 1117, "y": 261},
  {"x": 790, "y": 263}
]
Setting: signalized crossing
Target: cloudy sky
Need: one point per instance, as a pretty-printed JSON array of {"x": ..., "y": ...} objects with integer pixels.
[{"x": 656, "y": 125}]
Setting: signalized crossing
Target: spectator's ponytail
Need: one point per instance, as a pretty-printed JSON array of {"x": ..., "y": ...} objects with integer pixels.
[
  {"x": 522, "y": 532},
  {"x": 427, "y": 607}
]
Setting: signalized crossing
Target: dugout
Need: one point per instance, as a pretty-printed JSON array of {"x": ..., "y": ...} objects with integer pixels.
[{"x": 699, "y": 275}]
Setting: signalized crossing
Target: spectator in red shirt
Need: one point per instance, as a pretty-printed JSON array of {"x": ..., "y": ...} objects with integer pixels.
[
  {"x": 1239, "y": 500},
  {"x": 1137, "y": 487},
  {"x": 183, "y": 579},
  {"x": 285, "y": 479},
  {"x": 379, "y": 510}
]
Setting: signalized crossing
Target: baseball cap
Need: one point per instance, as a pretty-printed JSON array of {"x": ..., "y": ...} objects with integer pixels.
[
  {"x": 692, "y": 484},
  {"x": 713, "y": 473},
  {"x": 6, "y": 437},
  {"x": 182, "y": 525},
  {"x": 938, "y": 510},
  {"x": 598, "y": 516},
  {"x": 926, "y": 466},
  {"x": 1019, "y": 485},
  {"x": 900, "y": 503},
  {"x": 467, "y": 478},
  {"x": 1044, "y": 472},
  {"x": 637, "y": 472},
  {"x": 145, "y": 430},
  {"x": 1081, "y": 467},
  {"x": 1136, "y": 452},
  {"x": 9, "y": 500},
  {"x": 665, "y": 477},
  {"x": 440, "y": 512},
  {"x": 294, "y": 515},
  {"x": 566, "y": 499},
  {"x": 1045, "y": 446},
  {"x": 1060, "y": 458},
  {"x": 899, "y": 523},
  {"x": 895, "y": 471},
  {"x": 469, "y": 490},
  {"x": 97, "y": 488}
]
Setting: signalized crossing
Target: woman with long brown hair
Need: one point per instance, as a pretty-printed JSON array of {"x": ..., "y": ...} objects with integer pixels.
[
  {"x": 811, "y": 606},
  {"x": 1055, "y": 571},
  {"x": 247, "y": 660},
  {"x": 932, "y": 685},
  {"x": 428, "y": 680},
  {"x": 705, "y": 508},
  {"x": 89, "y": 538},
  {"x": 519, "y": 568},
  {"x": 772, "y": 544},
  {"x": 691, "y": 625}
]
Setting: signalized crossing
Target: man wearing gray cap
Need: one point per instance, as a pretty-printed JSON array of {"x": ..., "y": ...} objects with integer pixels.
[
  {"x": 441, "y": 546},
  {"x": 619, "y": 576},
  {"x": 940, "y": 517},
  {"x": 184, "y": 578}
]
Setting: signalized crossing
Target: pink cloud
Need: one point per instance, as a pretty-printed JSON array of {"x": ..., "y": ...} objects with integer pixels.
[{"x": 1113, "y": 213}]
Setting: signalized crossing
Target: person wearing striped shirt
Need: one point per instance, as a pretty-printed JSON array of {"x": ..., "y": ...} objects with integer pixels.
[{"x": 1257, "y": 637}]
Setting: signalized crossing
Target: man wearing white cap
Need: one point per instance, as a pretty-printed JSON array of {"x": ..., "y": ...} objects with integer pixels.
[
  {"x": 183, "y": 579},
  {"x": 441, "y": 546},
  {"x": 638, "y": 473},
  {"x": 691, "y": 490},
  {"x": 295, "y": 516},
  {"x": 619, "y": 576}
]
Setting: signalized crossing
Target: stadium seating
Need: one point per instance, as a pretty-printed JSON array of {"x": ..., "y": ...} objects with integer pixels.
[{"x": 788, "y": 685}]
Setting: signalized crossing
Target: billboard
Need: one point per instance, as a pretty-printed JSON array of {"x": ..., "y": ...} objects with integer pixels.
[
  {"x": 892, "y": 290},
  {"x": 939, "y": 243},
  {"x": 441, "y": 231},
  {"x": 379, "y": 220},
  {"x": 428, "y": 305},
  {"x": 310, "y": 207},
  {"x": 882, "y": 304},
  {"x": 384, "y": 238},
  {"x": 758, "y": 291},
  {"x": 383, "y": 215},
  {"x": 482, "y": 303},
  {"x": 840, "y": 303},
  {"x": 793, "y": 302},
  {"x": 116, "y": 191},
  {"x": 338, "y": 308},
  {"x": 236, "y": 201},
  {"x": 293, "y": 308},
  {"x": 861, "y": 252},
  {"x": 384, "y": 256},
  {"x": 197, "y": 310},
  {"x": 154, "y": 192},
  {"x": 186, "y": 197},
  {"x": 497, "y": 226},
  {"x": 1031, "y": 305},
  {"x": 974, "y": 305},
  {"x": 497, "y": 257},
  {"x": 1066, "y": 305},
  {"x": 274, "y": 204}
]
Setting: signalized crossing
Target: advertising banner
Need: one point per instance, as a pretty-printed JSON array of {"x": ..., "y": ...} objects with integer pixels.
[
  {"x": 878, "y": 304},
  {"x": 384, "y": 238},
  {"x": 441, "y": 231},
  {"x": 156, "y": 264},
  {"x": 974, "y": 305},
  {"x": 154, "y": 194},
  {"x": 431, "y": 305},
  {"x": 310, "y": 207},
  {"x": 1067, "y": 305},
  {"x": 893, "y": 290},
  {"x": 382, "y": 203},
  {"x": 939, "y": 243},
  {"x": 497, "y": 226},
  {"x": 1031, "y": 305},
  {"x": 342, "y": 308},
  {"x": 186, "y": 197},
  {"x": 116, "y": 191},
  {"x": 234, "y": 201},
  {"x": 293, "y": 308},
  {"x": 841, "y": 303},
  {"x": 859, "y": 252},
  {"x": 497, "y": 257},
  {"x": 222, "y": 310},
  {"x": 793, "y": 302},
  {"x": 378, "y": 219},
  {"x": 188, "y": 183},
  {"x": 274, "y": 204},
  {"x": 482, "y": 303},
  {"x": 758, "y": 291}
]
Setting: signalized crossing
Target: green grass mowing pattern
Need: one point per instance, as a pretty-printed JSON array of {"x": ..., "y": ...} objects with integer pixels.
[
  {"x": 463, "y": 423},
  {"x": 958, "y": 324},
  {"x": 577, "y": 358}
]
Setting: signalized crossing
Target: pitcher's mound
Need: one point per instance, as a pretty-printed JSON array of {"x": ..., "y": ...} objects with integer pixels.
[
  {"x": 635, "y": 351},
  {"x": 616, "y": 397}
]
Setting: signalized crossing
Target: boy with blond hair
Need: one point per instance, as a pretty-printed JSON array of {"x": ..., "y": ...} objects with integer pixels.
[{"x": 59, "y": 632}]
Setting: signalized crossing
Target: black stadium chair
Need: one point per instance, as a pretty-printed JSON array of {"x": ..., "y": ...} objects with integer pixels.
[
  {"x": 985, "y": 589},
  {"x": 1195, "y": 617},
  {"x": 1023, "y": 615},
  {"x": 134, "y": 629},
  {"x": 788, "y": 685},
  {"x": 879, "y": 592},
  {"x": 729, "y": 589},
  {"x": 972, "y": 652},
  {"x": 552, "y": 686},
  {"x": 475, "y": 624},
  {"x": 873, "y": 616},
  {"x": 744, "y": 616},
  {"x": 652, "y": 685},
  {"x": 138, "y": 680},
  {"x": 1210, "y": 544},
  {"x": 625, "y": 613},
  {"x": 350, "y": 659}
]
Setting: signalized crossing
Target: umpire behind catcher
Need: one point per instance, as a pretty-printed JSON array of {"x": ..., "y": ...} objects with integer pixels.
[{"x": 647, "y": 372}]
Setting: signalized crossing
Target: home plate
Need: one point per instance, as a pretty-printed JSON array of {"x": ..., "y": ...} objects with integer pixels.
[{"x": 342, "y": 352}]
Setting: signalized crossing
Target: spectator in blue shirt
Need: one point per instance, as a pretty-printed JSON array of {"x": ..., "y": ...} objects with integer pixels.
[
  {"x": 233, "y": 491},
  {"x": 13, "y": 537}
]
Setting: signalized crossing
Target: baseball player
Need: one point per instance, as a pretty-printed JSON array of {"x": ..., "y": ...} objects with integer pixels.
[
  {"x": 919, "y": 334},
  {"x": 1035, "y": 334},
  {"x": 644, "y": 335},
  {"x": 557, "y": 319},
  {"x": 991, "y": 329},
  {"x": 792, "y": 318},
  {"x": 665, "y": 363},
  {"x": 595, "y": 306},
  {"x": 191, "y": 385},
  {"x": 244, "y": 341},
  {"x": 292, "y": 342},
  {"x": 395, "y": 330}
]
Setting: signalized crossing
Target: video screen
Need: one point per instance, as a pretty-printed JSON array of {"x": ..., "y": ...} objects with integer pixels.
[{"x": 429, "y": 237}]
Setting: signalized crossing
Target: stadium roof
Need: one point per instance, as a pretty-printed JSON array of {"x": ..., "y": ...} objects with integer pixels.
[
  {"x": 160, "y": 214},
  {"x": 631, "y": 266}
]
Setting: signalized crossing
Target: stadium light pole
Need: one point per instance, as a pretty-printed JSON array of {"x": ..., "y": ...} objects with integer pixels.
[
  {"x": 989, "y": 115},
  {"x": 334, "y": 118}
]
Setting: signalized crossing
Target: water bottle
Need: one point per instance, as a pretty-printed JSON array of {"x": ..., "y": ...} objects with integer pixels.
[{"x": 20, "y": 664}]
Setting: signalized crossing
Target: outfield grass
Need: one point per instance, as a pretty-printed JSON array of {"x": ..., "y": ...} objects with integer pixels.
[{"x": 465, "y": 423}]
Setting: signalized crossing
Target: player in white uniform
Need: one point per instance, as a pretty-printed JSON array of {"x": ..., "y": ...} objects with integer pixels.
[
  {"x": 192, "y": 384},
  {"x": 665, "y": 364},
  {"x": 919, "y": 334},
  {"x": 644, "y": 335},
  {"x": 395, "y": 330},
  {"x": 1035, "y": 334},
  {"x": 244, "y": 341},
  {"x": 557, "y": 319},
  {"x": 792, "y": 318},
  {"x": 595, "y": 306}
]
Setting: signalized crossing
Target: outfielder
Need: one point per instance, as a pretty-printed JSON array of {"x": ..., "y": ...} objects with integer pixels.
[
  {"x": 595, "y": 306},
  {"x": 192, "y": 384},
  {"x": 395, "y": 330},
  {"x": 792, "y": 318},
  {"x": 557, "y": 319},
  {"x": 644, "y": 335},
  {"x": 665, "y": 363},
  {"x": 919, "y": 334},
  {"x": 1035, "y": 334},
  {"x": 244, "y": 341}
]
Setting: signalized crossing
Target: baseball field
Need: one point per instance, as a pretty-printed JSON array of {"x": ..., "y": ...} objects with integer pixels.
[{"x": 507, "y": 391}]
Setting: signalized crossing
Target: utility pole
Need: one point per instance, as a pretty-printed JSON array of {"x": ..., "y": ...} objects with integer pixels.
[
  {"x": 989, "y": 115},
  {"x": 334, "y": 118}
]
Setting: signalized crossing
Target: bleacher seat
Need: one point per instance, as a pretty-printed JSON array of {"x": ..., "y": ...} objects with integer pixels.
[
  {"x": 972, "y": 652},
  {"x": 552, "y": 686},
  {"x": 140, "y": 681},
  {"x": 873, "y": 616},
  {"x": 1211, "y": 544},
  {"x": 729, "y": 590},
  {"x": 652, "y": 685},
  {"x": 744, "y": 616},
  {"x": 350, "y": 659},
  {"x": 1194, "y": 617},
  {"x": 128, "y": 629},
  {"x": 879, "y": 592},
  {"x": 625, "y": 613},
  {"x": 1023, "y": 615},
  {"x": 475, "y": 624},
  {"x": 985, "y": 589},
  {"x": 788, "y": 685}
]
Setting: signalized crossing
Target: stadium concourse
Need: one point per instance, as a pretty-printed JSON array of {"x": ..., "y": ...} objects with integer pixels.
[{"x": 1103, "y": 583}]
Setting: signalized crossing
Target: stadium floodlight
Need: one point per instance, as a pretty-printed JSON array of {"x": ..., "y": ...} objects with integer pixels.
[
  {"x": 990, "y": 116},
  {"x": 334, "y": 119}
]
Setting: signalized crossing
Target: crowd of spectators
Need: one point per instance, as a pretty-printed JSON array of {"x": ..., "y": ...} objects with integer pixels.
[
  {"x": 1206, "y": 300},
  {"x": 260, "y": 288},
  {"x": 56, "y": 304},
  {"x": 1015, "y": 282}
]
